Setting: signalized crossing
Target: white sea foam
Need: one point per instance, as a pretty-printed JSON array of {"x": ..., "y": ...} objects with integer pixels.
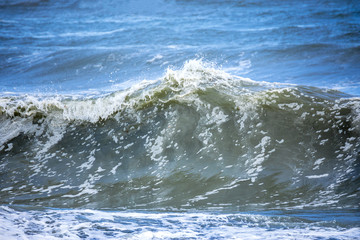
[
  {"x": 78, "y": 224},
  {"x": 317, "y": 176}
]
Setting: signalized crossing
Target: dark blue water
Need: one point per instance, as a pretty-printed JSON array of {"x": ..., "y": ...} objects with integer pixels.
[{"x": 179, "y": 119}]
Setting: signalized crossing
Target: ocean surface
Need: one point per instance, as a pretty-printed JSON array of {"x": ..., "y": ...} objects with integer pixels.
[{"x": 179, "y": 119}]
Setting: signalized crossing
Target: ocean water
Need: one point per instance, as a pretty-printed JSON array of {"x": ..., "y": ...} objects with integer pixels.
[{"x": 179, "y": 119}]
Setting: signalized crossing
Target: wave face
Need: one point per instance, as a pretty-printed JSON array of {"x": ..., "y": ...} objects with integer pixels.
[{"x": 198, "y": 138}]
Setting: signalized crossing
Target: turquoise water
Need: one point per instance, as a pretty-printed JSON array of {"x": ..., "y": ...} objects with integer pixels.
[{"x": 179, "y": 120}]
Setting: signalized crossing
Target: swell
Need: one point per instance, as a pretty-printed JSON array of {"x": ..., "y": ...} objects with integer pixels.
[{"x": 197, "y": 138}]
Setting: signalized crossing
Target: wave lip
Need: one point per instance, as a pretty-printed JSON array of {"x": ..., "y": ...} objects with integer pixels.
[{"x": 194, "y": 76}]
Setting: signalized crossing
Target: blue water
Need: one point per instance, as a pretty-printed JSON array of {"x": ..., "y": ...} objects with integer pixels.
[
  {"x": 83, "y": 46},
  {"x": 179, "y": 119}
]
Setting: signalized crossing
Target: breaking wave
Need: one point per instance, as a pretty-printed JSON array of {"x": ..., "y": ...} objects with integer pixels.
[{"x": 198, "y": 138}]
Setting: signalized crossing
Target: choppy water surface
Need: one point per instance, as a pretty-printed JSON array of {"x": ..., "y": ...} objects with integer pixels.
[
  {"x": 98, "y": 45},
  {"x": 179, "y": 120}
]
